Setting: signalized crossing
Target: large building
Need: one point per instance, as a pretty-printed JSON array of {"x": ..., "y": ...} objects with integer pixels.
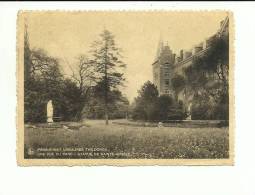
[{"x": 167, "y": 64}]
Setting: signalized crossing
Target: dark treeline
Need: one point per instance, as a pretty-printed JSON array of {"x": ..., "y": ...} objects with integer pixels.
[{"x": 89, "y": 91}]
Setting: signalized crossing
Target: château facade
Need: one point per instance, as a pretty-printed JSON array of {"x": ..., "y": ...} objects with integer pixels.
[{"x": 167, "y": 64}]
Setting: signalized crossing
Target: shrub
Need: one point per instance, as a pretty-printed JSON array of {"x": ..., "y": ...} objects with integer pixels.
[
  {"x": 205, "y": 107},
  {"x": 149, "y": 106}
]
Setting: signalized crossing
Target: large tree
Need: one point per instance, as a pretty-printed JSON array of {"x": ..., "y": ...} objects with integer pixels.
[
  {"x": 27, "y": 56},
  {"x": 44, "y": 82},
  {"x": 207, "y": 78},
  {"x": 108, "y": 63},
  {"x": 149, "y": 106},
  {"x": 84, "y": 76},
  {"x": 178, "y": 84},
  {"x": 144, "y": 108}
]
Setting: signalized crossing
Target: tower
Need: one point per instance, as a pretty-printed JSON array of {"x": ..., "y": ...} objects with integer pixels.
[{"x": 163, "y": 68}]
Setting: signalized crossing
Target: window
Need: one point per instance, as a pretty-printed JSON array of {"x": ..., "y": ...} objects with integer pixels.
[
  {"x": 166, "y": 82},
  {"x": 167, "y": 91},
  {"x": 156, "y": 76},
  {"x": 166, "y": 74}
]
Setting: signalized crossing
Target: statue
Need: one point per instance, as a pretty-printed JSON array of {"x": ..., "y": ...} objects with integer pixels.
[{"x": 49, "y": 112}]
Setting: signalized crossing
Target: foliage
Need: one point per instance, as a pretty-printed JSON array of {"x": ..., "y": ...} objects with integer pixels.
[
  {"x": 108, "y": 64},
  {"x": 151, "y": 107},
  {"x": 72, "y": 101},
  {"x": 201, "y": 107},
  {"x": 84, "y": 79},
  {"x": 43, "y": 84},
  {"x": 168, "y": 108},
  {"x": 178, "y": 83},
  {"x": 118, "y": 104},
  {"x": 217, "y": 58},
  {"x": 47, "y": 82},
  {"x": 145, "y": 102},
  {"x": 27, "y": 56},
  {"x": 177, "y": 111},
  {"x": 162, "y": 105},
  {"x": 207, "y": 81},
  {"x": 93, "y": 81}
]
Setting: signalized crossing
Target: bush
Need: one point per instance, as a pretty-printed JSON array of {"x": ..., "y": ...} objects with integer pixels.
[
  {"x": 176, "y": 114},
  {"x": 206, "y": 108},
  {"x": 117, "y": 105},
  {"x": 149, "y": 106}
]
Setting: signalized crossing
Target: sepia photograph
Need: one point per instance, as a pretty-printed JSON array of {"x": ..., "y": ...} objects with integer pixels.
[{"x": 125, "y": 88}]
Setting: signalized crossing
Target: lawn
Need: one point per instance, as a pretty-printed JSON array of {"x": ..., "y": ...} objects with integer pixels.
[{"x": 95, "y": 140}]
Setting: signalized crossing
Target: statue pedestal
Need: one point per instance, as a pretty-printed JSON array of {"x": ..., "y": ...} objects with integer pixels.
[
  {"x": 49, "y": 120},
  {"x": 189, "y": 117}
]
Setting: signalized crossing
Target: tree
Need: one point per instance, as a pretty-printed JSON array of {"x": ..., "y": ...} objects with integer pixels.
[
  {"x": 216, "y": 59},
  {"x": 44, "y": 83},
  {"x": 148, "y": 92},
  {"x": 178, "y": 83},
  {"x": 107, "y": 60},
  {"x": 163, "y": 105},
  {"x": 84, "y": 77},
  {"x": 207, "y": 78},
  {"x": 27, "y": 56},
  {"x": 118, "y": 104},
  {"x": 145, "y": 102},
  {"x": 149, "y": 106},
  {"x": 71, "y": 101}
]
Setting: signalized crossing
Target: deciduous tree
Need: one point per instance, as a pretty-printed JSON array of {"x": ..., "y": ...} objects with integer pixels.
[{"x": 84, "y": 76}]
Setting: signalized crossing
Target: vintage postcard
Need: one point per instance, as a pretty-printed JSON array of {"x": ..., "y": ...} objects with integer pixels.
[{"x": 125, "y": 88}]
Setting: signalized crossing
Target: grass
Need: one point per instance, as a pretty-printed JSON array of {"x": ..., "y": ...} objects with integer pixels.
[{"x": 118, "y": 141}]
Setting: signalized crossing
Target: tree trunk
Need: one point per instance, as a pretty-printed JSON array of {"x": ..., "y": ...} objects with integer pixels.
[
  {"x": 106, "y": 118},
  {"x": 106, "y": 85},
  {"x": 106, "y": 106}
]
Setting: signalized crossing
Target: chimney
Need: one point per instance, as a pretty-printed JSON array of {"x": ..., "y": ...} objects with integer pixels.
[
  {"x": 173, "y": 57},
  {"x": 178, "y": 59},
  {"x": 205, "y": 44},
  {"x": 181, "y": 55},
  {"x": 193, "y": 51},
  {"x": 187, "y": 54},
  {"x": 198, "y": 48}
]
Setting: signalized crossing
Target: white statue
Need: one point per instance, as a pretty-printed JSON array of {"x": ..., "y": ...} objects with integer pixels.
[{"x": 49, "y": 112}]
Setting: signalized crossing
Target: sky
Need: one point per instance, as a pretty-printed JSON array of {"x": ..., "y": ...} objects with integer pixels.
[{"x": 66, "y": 35}]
